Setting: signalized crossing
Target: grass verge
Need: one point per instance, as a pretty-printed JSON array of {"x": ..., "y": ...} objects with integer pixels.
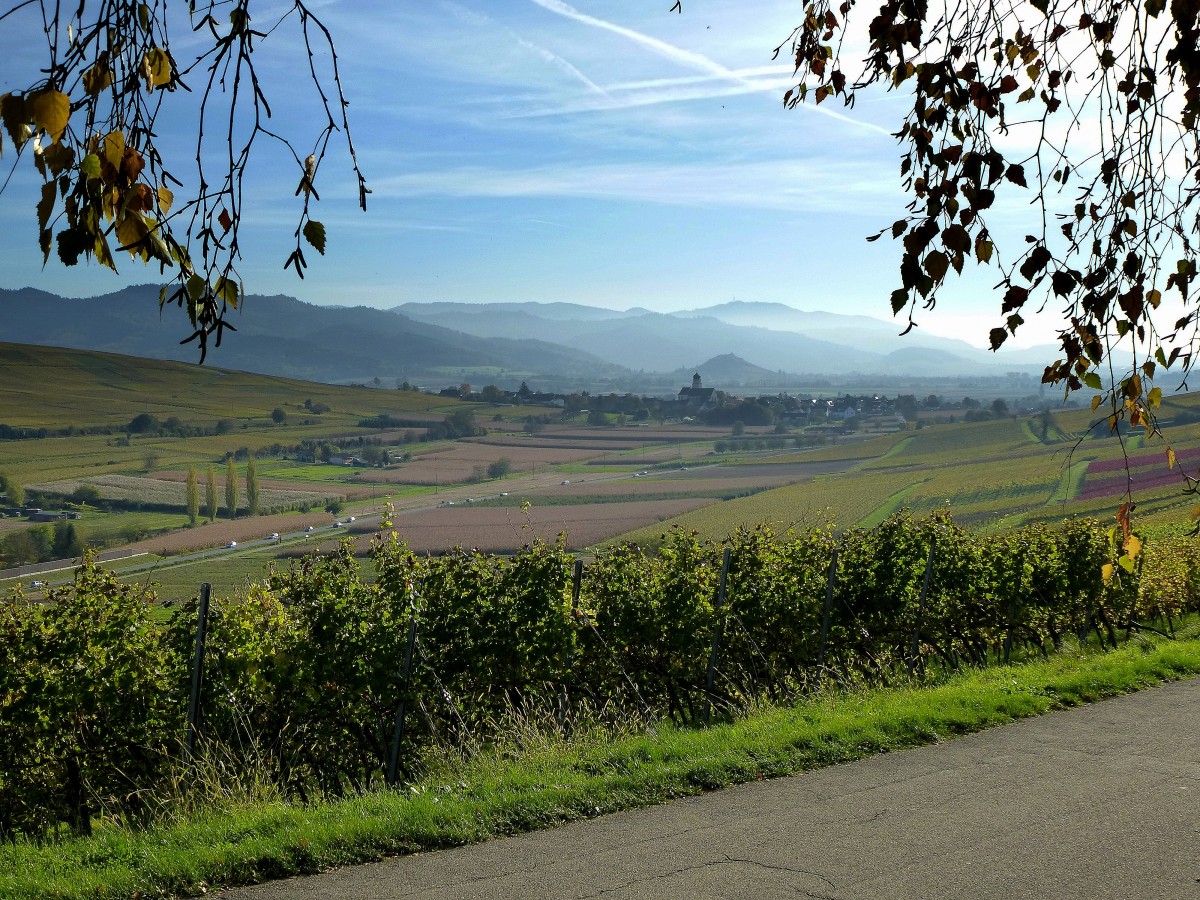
[{"x": 557, "y": 780}]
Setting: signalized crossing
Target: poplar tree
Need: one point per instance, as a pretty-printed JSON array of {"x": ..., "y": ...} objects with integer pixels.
[
  {"x": 193, "y": 496},
  {"x": 210, "y": 494},
  {"x": 252, "y": 486},
  {"x": 231, "y": 488}
]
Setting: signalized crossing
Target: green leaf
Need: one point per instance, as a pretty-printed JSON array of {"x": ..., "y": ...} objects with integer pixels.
[
  {"x": 90, "y": 166},
  {"x": 314, "y": 233},
  {"x": 195, "y": 287},
  {"x": 1092, "y": 380},
  {"x": 227, "y": 290}
]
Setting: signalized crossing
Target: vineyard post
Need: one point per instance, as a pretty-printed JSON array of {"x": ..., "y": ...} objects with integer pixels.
[
  {"x": 916, "y": 641},
  {"x": 569, "y": 654},
  {"x": 830, "y": 578},
  {"x": 405, "y": 680},
  {"x": 1012, "y": 608},
  {"x": 193, "y": 720},
  {"x": 718, "y": 611}
]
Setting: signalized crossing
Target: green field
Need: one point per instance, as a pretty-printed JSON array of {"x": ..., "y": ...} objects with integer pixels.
[{"x": 992, "y": 475}]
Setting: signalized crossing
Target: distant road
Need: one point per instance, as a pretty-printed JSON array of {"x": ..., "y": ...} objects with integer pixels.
[
  {"x": 1096, "y": 803},
  {"x": 58, "y": 565}
]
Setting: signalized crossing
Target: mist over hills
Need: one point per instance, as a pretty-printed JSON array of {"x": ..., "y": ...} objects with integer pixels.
[
  {"x": 561, "y": 346},
  {"x": 776, "y": 337},
  {"x": 283, "y": 336}
]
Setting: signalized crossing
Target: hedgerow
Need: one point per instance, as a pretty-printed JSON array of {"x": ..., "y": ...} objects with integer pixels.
[{"x": 304, "y": 676}]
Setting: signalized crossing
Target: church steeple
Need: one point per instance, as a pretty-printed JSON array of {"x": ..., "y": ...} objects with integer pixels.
[{"x": 696, "y": 382}]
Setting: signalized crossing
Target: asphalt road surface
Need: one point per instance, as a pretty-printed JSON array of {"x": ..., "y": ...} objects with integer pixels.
[{"x": 1097, "y": 802}]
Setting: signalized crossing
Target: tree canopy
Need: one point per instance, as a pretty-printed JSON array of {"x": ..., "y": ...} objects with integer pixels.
[
  {"x": 112, "y": 185},
  {"x": 1086, "y": 110}
]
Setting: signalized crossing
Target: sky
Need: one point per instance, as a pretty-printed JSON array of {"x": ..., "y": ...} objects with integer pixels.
[{"x": 611, "y": 153}]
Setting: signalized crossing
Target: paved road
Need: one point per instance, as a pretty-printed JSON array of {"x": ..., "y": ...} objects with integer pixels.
[{"x": 1097, "y": 802}]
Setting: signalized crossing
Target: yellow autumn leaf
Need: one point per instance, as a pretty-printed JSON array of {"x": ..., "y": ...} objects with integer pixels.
[
  {"x": 165, "y": 199},
  {"x": 131, "y": 231},
  {"x": 157, "y": 66},
  {"x": 97, "y": 78},
  {"x": 1132, "y": 546},
  {"x": 50, "y": 111},
  {"x": 113, "y": 148},
  {"x": 1106, "y": 571},
  {"x": 1170, "y": 458}
]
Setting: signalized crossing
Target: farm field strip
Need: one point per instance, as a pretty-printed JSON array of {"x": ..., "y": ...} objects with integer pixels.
[
  {"x": 1119, "y": 464},
  {"x": 130, "y": 489},
  {"x": 843, "y": 499},
  {"x": 492, "y": 529}
]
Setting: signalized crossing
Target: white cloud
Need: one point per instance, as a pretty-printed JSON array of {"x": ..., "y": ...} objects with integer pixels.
[
  {"x": 849, "y": 186},
  {"x": 537, "y": 50},
  {"x": 717, "y": 80},
  {"x": 662, "y": 48}
]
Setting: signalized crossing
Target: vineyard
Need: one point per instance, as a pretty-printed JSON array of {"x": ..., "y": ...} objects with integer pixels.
[{"x": 325, "y": 684}]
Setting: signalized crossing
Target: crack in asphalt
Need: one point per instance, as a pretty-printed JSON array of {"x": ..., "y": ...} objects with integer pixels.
[{"x": 725, "y": 860}]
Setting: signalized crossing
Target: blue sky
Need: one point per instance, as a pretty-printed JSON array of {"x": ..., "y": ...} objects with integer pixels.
[{"x": 610, "y": 153}]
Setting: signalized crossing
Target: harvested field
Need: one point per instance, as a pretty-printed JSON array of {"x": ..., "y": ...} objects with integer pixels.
[
  {"x": 219, "y": 533},
  {"x": 458, "y": 462},
  {"x": 555, "y": 442},
  {"x": 650, "y": 485},
  {"x": 667, "y": 434},
  {"x": 169, "y": 492},
  {"x": 502, "y": 530},
  {"x": 766, "y": 473},
  {"x": 349, "y": 491}
]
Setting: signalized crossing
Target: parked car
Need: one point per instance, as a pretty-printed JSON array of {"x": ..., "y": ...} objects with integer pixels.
[
  {"x": 231, "y": 545},
  {"x": 273, "y": 536},
  {"x": 310, "y": 528}
]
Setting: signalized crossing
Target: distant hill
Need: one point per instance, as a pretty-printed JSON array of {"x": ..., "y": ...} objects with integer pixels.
[
  {"x": 284, "y": 336},
  {"x": 555, "y": 346},
  {"x": 727, "y": 369},
  {"x": 56, "y": 388},
  {"x": 776, "y": 337}
]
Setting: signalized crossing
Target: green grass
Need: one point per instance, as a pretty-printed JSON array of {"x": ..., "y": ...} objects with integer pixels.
[
  {"x": 57, "y": 388},
  {"x": 553, "y": 781}
]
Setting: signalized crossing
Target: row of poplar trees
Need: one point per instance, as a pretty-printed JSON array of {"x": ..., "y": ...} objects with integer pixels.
[{"x": 231, "y": 491}]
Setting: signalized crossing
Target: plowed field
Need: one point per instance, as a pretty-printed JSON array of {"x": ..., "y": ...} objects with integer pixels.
[{"x": 501, "y": 530}]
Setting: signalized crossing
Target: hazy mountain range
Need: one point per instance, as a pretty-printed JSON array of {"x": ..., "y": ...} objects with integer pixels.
[{"x": 560, "y": 343}]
